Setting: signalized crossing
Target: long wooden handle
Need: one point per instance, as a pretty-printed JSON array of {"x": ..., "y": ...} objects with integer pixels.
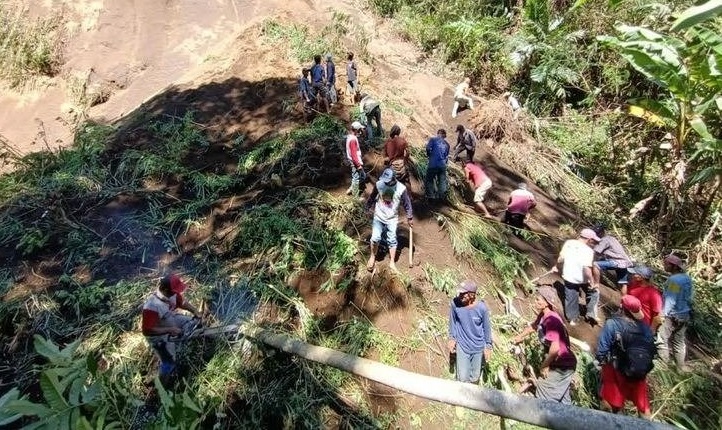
[{"x": 411, "y": 247}]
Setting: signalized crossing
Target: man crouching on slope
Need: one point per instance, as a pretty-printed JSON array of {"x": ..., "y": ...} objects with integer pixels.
[
  {"x": 161, "y": 319},
  {"x": 387, "y": 196}
]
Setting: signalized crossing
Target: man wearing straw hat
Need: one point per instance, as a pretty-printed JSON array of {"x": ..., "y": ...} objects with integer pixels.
[
  {"x": 387, "y": 196},
  {"x": 557, "y": 369}
]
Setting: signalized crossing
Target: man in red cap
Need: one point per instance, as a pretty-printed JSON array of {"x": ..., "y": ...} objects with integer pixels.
[
  {"x": 639, "y": 286},
  {"x": 469, "y": 333},
  {"x": 575, "y": 261},
  {"x": 161, "y": 319},
  {"x": 676, "y": 311},
  {"x": 557, "y": 369},
  {"x": 625, "y": 351}
]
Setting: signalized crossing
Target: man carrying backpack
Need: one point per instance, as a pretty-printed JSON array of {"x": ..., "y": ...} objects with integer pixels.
[{"x": 625, "y": 350}]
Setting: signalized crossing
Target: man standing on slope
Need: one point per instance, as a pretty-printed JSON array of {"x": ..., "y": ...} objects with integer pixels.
[
  {"x": 677, "y": 311},
  {"x": 611, "y": 255},
  {"x": 460, "y": 97},
  {"x": 353, "y": 155},
  {"x": 371, "y": 111},
  {"x": 575, "y": 260},
  {"x": 437, "y": 149},
  {"x": 331, "y": 79},
  {"x": 465, "y": 141},
  {"x": 521, "y": 201},
  {"x": 397, "y": 154},
  {"x": 625, "y": 351},
  {"x": 161, "y": 319},
  {"x": 351, "y": 78},
  {"x": 385, "y": 200},
  {"x": 557, "y": 369},
  {"x": 479, "y": 182},
  {"x": 647, "y": 293},
  {"x": 318, "y": 75},
  {"x": 469, "y": 333}
]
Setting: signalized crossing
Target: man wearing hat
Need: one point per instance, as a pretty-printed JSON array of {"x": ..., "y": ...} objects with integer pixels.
[
  {"x": 353, "y": 155},
  {"x": 575, "y": 260},
  {"x": 387, "y": 196},
  {"x": 371, "y": 111},
  {"x": 639, "y": 286},
  {"x": 469, "y": 333},
  {"x": 676, "y": 311},
  {"x": 622, "y": 336},
  {"x": 160, "y": 319},
  {"x": 557, "y": 369}
]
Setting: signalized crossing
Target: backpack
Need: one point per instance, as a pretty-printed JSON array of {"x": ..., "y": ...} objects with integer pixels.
[{"x": 633, "y": 350}]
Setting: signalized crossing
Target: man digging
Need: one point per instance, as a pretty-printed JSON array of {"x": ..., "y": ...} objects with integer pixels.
[
  {"x": 387, "y": 196},
  {"x": 557, "y": 369}
]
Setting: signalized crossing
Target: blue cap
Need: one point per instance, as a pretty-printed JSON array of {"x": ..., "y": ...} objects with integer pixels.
[
  {"x": 388, "y": 177},
  {"x": 643, "y": 271}
]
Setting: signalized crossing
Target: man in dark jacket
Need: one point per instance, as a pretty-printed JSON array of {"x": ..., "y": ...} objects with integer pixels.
[
  {"x": 465, "y": 141},
  {"x": 437, "y": 149},
  {"x": 331, "y": 79},
  {"x": 318, "y": 77}
]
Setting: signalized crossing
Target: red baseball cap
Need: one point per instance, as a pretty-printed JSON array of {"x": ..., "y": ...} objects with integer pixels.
[
  {"x": 176, "y": 285},
  {"x": 632, "y": 305}
]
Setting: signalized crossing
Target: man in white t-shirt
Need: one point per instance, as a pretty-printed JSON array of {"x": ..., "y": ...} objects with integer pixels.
[
  {"x": 460, "y": 97},
  {"x": 575, "y": 260}
]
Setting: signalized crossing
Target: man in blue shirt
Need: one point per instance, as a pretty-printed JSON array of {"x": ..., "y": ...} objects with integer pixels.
[
  {"x": 676, "y": 311},
  {"x": 469, "y": 333},
  {"x": 331, "y": 79},
  {"x": 317, "y": 81},
  {"x": 437, "y": 149}
]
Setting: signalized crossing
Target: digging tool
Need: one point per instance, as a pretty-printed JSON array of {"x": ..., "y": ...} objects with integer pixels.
[
  {"x": 534, "y": 281},
  {"x": 411, "y": 247}
]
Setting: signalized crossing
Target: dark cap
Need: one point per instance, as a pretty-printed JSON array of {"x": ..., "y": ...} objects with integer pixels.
[{"x": 388, "y": 177}]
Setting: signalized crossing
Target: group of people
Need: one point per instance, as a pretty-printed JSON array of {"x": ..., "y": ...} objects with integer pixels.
[
  {"x": 626, "y": 345},
  {"x": 317, "y": 84}
]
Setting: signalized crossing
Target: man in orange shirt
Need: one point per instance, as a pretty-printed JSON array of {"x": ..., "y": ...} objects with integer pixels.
[
  {"x": 648, "y": 294},
  {"x": 480, "y": 182}
]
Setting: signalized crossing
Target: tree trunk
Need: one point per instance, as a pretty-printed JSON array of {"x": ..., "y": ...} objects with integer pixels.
[{"x": 538, "y": 412}]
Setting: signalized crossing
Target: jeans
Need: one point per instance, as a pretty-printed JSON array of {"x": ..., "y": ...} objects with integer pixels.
[
  {"x": 571, "y": 300},
  {"x": 672, "y": 331},
  {"x": 357, "y": 176},
  {"x": 469, "y": 152},
  {"x": 468, "y": 366},
  {"x": 374, "y": 115},
  {"x": 165, "y": 349},
  {"x": 514, "y": 220},
  {"x": 436, "y": 182},
  {"x": 332, "y": 94},
  {"x": 621, "y": 272},
  {"x": 377, "y": 229}
]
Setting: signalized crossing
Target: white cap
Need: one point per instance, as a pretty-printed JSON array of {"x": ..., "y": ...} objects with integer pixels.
[{"x": 356, "y": 125}]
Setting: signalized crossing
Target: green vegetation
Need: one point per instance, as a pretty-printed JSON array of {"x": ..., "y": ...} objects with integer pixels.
[{"x": 28, "y": 47}]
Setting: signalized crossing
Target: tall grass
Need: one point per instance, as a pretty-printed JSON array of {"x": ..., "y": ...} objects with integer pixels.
[{"x": 28, "y": 47}]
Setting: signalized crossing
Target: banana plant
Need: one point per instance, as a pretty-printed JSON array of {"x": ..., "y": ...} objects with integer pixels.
[{"x": 686, "y": 63}]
